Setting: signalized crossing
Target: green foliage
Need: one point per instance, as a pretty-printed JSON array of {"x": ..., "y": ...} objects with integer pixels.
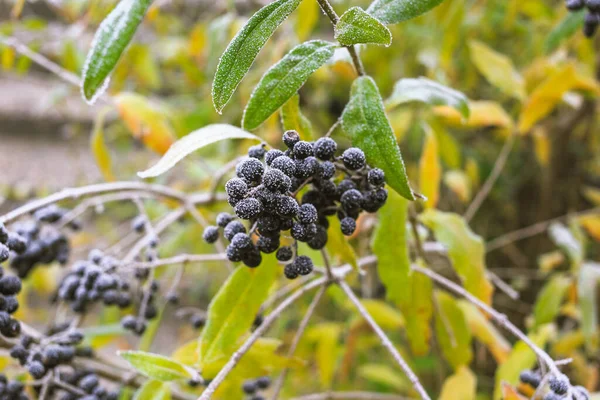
[
  {"x": 153, "y": 390},
  {"x": 293, "y": 119},
  {"x": 395, "y": 11},
  {"x": 157, "y": 367},
  {"x": 564, "y": 30},
  {"x": 356, "y": 26},
  {"x": 452, "y": 331}
]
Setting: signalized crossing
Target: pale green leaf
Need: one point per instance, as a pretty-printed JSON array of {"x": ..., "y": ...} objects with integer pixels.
[
  {"x": 587, "y": 288},
  {"x": 100, "y": 150},
  {"x": 293, "y": 119},
  {"x": 452, "y": 331},
  {"x": 157, "y": 367},
  {"x": 394, "y": 11},
  {"x": 192, "y": 142},
  {"x": 429, "y": 92},
  {"x": 112, "y": 37},
  {"x": 571, "y": 24},
  {"x": 245, "y": 46},
  {"x": 550, "y": 299},
  {"x": 284, "y": 79},
  {"x": 326, "y": 337},
  {"x": 153, "y": 390},
  {"x": 384, "y": 375},
  {"x": 365, "y": 121},
  {"x": 386, "y": 316},
  {"x": 356, "y": 26}
]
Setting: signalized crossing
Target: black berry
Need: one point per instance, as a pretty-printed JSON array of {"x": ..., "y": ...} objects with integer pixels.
[
  {"x": 211, "y": 234},
  {"x": 354, "y": 159}
]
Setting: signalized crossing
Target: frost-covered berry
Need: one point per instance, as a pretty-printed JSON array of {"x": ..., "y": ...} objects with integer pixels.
[
  {"x": 307, "y": 167},
  {"x": 4, "y": 253},
  {"x": 276, "y": 181},
  {"x": 223, "y": 219},
  {"x": 267, "y": 244},
  {"x": 325, "y": 148},
  {"x": 11, "y": 304},
  {"x": 286, "y": 207},
  {"x": 303, "y": 265},
  {"x": 374, "y": 200},
  {"x": 348, "y": 226},
  {"x": 233, "y": 228},
  {"x": 552, "y": 396},
  {"x": 248, "y": 208},
  {"x": 285, "y": 165},
  {"x": 593, "y": 5},
  {"x": 290, "y": 138},
  {"x": 307, "y": 214},
  {"x": 36, "y": 369},
  {"x": 263, "y": 382},
  {"x": 233, "y": 254},
  {"x": 531, "y": 378},
  {"x": 272, "y": 155},
  {"x": 242, "y": 242},
  {"x": 10, "y": 285},
  {"x": 257, "y": 151},
  {"x": 284, "y": 254},
  {"x": 354, "y": 159},
  {"x": 559, "y": 384},
  {"x": 327, "y": 188},
  {"x": 211, "y": 234},
  {"x": 268, "y": 223},
  {"x": 345, "y": 185},
  {"x": 249, "y": 387},
  {"x": 302, "y": 150},
  {"x": 16, "y": 242},
  {"x": 575, "y": 5},
  {"x": 326, "y": 170},
  {"x": 319, "y": 240},
  {"x": 252, "y": 259},
  {"x": 138, "y": 224},
  {"x": 3, "y": 233},
  {"x": 290, "y": 271},
  {"x": 351, "y": 200},
  {"x": 376, "y": 177},
  {"x": 581, "y": 393},
  {"x": 250, "y": 170},
  {"x": 300, "y": 232},
  {"x": 236, "y": 188}
]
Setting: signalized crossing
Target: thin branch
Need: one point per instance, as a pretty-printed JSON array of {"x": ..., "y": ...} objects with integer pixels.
[
  {"x": 179, "y": 259},
  {"x": 503, "y": 286},
  {"x": 299, "y": 333},
  {"x": 351, "y": 396},
  {"x": 501, "y": 319},
  {"x": 491, "y": 180},
  {"x": 233, "y": 361},
  {"x": 385, "y": 341}
]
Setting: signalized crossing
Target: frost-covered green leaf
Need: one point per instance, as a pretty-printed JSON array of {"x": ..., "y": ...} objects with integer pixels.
[
  {"x": 111, "y": 39},
  {"x": 394, "y": 11},
  {"x": 587, "y": 287},
  {"x": 284, "y": 79},
  {"x": 365, "y": 121},
  {"x": 356, "y": 26},
  {"x": 429, "y": 92},
  {"x": 158, "y": 367},
  {"x": 571, "y": 24},
  {"x": 245, "y": 46},
  {"x": 192, "y": 142},
  {"x": 293, "y": 119}
]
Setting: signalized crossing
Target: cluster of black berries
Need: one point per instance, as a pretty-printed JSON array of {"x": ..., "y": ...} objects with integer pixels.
[
  {"x": 592, "y": 17},
  {"x": 147, "y": 310},
  {"x": 11, "y": 390},
  {"x": 10, "y": 286},
  {"x": 89, "y": 383},
  {"x": 94, "y": 280},
  {"x": 265, "y": 195},
  {"x": 559, "y": 386},
  {"x": 252, "y": 387},
  {"x": 41, "y": 356}
]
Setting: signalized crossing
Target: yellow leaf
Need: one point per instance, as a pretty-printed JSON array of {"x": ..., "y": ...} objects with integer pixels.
[
  {"x": 338, "y": 246},
  {"x": 430, "y": 171},
  {"x": 459, "y": 183},
  {"x": 510, "y": 393},
  {"x": 448, "y": 147},
  {"x": 197, "y": 40},
  {"x": 542, "y": 145},
  {"x": 568, "y": 343},
  {"x": 472, "y": 171},
  {"x": 385, "y": 315},
  {"x": 591, "y": 224},
  {"x": 326, "y": 336},
  {"x": 384, "y": 375},
  {"x": 187, "y": 354},
  {"x": 497, "y": 69},
  {"x": 99, "y": 148},
  {"x": 307, "y": 16},
  {"x": 452, "y": 332},
  {"x": 485, "y": 331},
  {"x": 592, "y": 194},
  {"x": 483, "y": 114},
  {"x": 462, "y": 385},
  {"x": 8, "y": 57},
  {"x": 293, "y": 119},
  {"x": 146, "y": 121}
]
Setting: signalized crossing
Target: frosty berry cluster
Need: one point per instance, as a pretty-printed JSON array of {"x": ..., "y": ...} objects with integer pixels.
[
  {"x": 559, "y": 387},
  {"x": 295, "y": 191}
]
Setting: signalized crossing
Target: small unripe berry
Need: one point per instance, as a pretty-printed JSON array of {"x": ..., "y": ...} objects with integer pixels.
[
  {"x": 272, "y": 155},
  {"x": 284, "y": 254},
  {"x": 211, "y": 234},
  {"x": 248, "y": 208},
  {"x": 307, "y": 214},
  {"x": 236, "y": 188},
  {"x": 354, "y": 159},
  {"x": 302, "y": 150},
  {"x": 223, "y": 219},
  {"x": 257, "y": 151},
  {"x": 290, "y": 138},
  {"x": 325, "y": 148},
  {"x": 233, "y": 228},
  {"x": 348, "y": 226},
  {"x": 285, "y": 165}
]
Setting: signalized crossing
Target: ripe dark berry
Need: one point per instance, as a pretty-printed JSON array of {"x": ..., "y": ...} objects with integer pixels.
[
  {"x": 327, "y": 170},
  {"x": 18, "y": 352},
  {"x": 36, "y": 369},
  {"x": 354, "y": 159},
  {"x": 138, "y": 224},
  {"x": 268, "y": 223},
  {"x": 250, "y": 170},
  {"x": 233, "y": 254},
  {"x": 307, "y": 214},
  {"x": 252, "y": 259},
  {"x": 211, "y": 234},
  {"x": 242, "y": 242},
  {"x": 319, "y": 240},
  {"x": 593, "y": 5},
  {"x": 276, "y": 181},
  {"x": 263, "y": 382},
  {"x": 345, "y": 185},
  {"x": 303, "y": 265},
  {"x": 376, "y": 177},
  {"x": 286, "y": 207},
  {"x": 249, "y": 387},
  {"x": 531, "y": 378},
  {"x": 575, "y": 5},
  {"x": 290, "y": 271},
  {"x": 302, "y": 150},
  {"x": 285, "y": 165},
  {"x": 325, "y": 148},
  {"x": 3, "y": 233},
  {"x": 11, "y": 304},
  {"x": 248, "y": 208},
  {"x": 223, "y": 219},
  {"x": 257, "y": 152},
  {"x": 307, "y": 167},
  {"x": 4, "y": 253},
  {"x": 272, "y": 155},
  {"x": 348, "y": 226},
  {"x": 128, "y": 322},
  {"x": 89, "y": 382},
  {"x": 236, "y": 188},
  {"x": 290, "y": 138},
  {"x": 559, "y": 384},
  {"x": 351, "y": 200},
  {"x": 590, "y": 24},
  {"x": 284, "y": 254},
  {"x": 198, "y": 320},
  {"x": 233, "y": 228},
  {"x": 10, "y": 285},
  {"x": 16, "y": 242},
  {"x": 267, "y": 244},
  {"x": 10, "y": 327},
  {"x": 300, "y": 232}
]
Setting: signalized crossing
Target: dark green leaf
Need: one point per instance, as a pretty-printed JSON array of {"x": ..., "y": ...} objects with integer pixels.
[
  {"x": 394, "y": 11},
  {"x": 113, "y": 35},
  {"x": 429, "y": 92},
  {"x": 356, "y": 26},
  {"x": 284, "y": 79},
  {"x": 158, "y": 367},
  {"x": 365, "y": 121},
  {"x": 567, "y": 28},
  {"x": 245, "y": 46}
]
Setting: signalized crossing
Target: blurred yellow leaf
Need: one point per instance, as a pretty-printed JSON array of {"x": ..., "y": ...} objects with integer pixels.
[
  {"x": 510, "y": 393},
  {"x": 99, "y": 148},
  {"x": 452, "y": 332},
  {"x": 498, "y": 69},
  {"x": 472, "y": 172},
  {"x": 144, "y": 66},
  {"x": 485, "y": 331},
  {"x": 197, "y": 40},
  {"x": 458, "y": 182},
  {"x": 587, "y": 288},
  {"x": 326, "y": 337},
  {"x": 591, "y": 224},
  {"x": 8, "y": 57},
  {"x": 566, "y": 344},
  {"x": 549, "y": 299},
  {"x": 187, "y": 353},
  {"x": 430, "y": 171},
  {"x": 146, "y": 121},
  {"x": 293, "y": 119},
  {"x": 448, "y": 147},
  {"x": 307, "y": 16},
  {"x": 384, "y": 375},
  {"x": 338, "y": 246},
  {"x": 483, "y": 114},
  {"x": 550, "y": 261},
  {"x": 462, "y": 385},
  {"x": 385, "y": 315},
  {"x": 592, "y": 194},
  {"x": 542, "y": 145}
]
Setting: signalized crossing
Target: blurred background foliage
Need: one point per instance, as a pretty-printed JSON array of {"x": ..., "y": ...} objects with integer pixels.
[{"x": 531, "y": 78}]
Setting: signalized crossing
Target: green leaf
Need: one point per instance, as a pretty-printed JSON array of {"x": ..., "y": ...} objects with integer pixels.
[
  {"x": 384, "y": 375},
  {"x": 158, "y": 367},
  {"x": 567, "y": 28},
  {"x": 365, "y": 121},
  {"x": 153, "y": 390},
  {"x": 428, "y": 92},
  {"x": 466, "y": 250},
  {"x": 452, "y": 331},
  {"x": 326, "y": 336},
  {"x": 550, "y": 299},
  {"x": 485, "y": 332},
  {"x": 245, "y": 46},
  {"x": 112, "y": 37},
  {"x": 386, "y": 316},
  {"x": 192, "y": 142},
  {"x": 394, "y": 11},
  {"x": 284, "y": 79},
  {"x": 293, "y": 119},
  {"x": 587, "y": 286},
  {"x": 356, "y": 26},
  {"x": 232, "y": 311}
]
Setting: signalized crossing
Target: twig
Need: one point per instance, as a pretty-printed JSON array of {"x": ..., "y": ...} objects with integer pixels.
[
  {"x": 299, "y": 333},
  {"x": 503, "y": 286},
  {"x": 283, "y": 292},
  {"x": 491, "y": 180},
  {"x": 179, "y": 259},
  {"x": 350, "y": 396},
  {"x": 501, "y": 319},
  {"x": 233, "y": 361},
  {"x": 327, "y": 263},
  {"x": 385, "y": 341},
  {"x": 333, "y": 127}
]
